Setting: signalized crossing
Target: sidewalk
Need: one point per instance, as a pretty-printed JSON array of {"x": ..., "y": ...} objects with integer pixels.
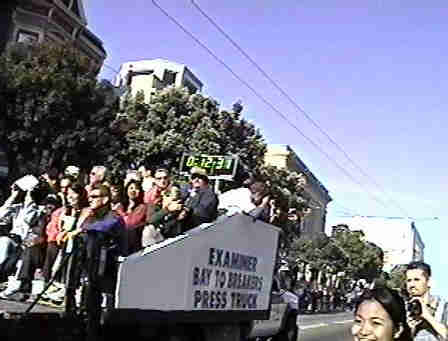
[{"x": 14, "y": 307}]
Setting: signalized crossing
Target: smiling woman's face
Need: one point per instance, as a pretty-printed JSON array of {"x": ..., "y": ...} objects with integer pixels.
[
  {"x": 372, "y": 323},
  {"x": 133, "y": 191},
  {"x": 72, "y": 198}
]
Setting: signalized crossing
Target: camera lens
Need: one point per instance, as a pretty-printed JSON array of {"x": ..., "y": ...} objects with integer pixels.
[{"x": 415, "y": 308}]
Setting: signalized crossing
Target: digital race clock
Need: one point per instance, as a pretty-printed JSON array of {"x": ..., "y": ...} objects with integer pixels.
[{"x": 217, "y": 166}]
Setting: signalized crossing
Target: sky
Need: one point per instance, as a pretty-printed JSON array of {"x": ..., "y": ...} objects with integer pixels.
[{"x": 370, "y": 76}]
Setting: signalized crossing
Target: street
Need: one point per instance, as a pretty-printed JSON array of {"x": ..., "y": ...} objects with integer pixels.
[
  {"x": 332, "y": 327},
  {"x": 313, "y": 327}
]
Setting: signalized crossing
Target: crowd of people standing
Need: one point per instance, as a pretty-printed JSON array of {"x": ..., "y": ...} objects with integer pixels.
[
  {"x": 49, "y": 217},
  {"x": 46, "y": 221}
]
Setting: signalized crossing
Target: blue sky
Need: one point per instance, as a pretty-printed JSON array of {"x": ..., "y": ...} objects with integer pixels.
[{"x": 372, "y": 74}]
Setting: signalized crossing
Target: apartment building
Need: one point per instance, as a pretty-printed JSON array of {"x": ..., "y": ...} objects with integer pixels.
[
  {"x": 155, "y": 74},
  {"x": 32, "y": 21}
]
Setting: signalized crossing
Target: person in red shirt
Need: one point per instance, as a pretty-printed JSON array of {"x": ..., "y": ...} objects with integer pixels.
[
  {"x": 162, "y": 182},
  {"x": 135, "y": 214},
  {"x": 62, "y": 222}
]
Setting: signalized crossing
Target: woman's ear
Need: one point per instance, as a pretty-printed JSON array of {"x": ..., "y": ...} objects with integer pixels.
[{"x": 398, "y": 331}]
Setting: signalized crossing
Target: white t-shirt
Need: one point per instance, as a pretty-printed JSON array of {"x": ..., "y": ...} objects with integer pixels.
[{"x": 236, "y": 200}]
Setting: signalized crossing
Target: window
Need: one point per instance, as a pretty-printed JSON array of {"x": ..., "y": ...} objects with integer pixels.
[
  {"x": 27, "y": 37},
  {"x": 191, "y": 87},
  {"x": 75, "y": 9},
  {"x": 169, "y": 77},
  {"x": 63, "y": 21}
]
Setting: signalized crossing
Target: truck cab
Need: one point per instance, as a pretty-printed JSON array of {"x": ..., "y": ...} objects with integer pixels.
[{"x": 282, "y": 323}]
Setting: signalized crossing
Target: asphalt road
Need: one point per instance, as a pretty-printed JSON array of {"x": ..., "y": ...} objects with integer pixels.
[
  {"x": 315, "y": 327},
  {"x": 331, "y": 327}
]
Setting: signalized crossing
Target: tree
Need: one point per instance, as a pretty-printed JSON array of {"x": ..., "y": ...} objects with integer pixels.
[
  {"x": 320, "y": 253},
  {"x": 345, "y": 251},
  {"x": 53, "y": 110},
  {"x": 397, "y": 278},
  {"x": 176, "y": 121},
  {"x": 365, "y": 259}
]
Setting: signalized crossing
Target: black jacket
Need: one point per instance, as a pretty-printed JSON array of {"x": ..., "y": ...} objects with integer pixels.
[{"x": 202, "y": 207}]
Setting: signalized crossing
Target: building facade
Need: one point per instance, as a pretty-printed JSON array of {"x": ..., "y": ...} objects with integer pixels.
[
  {"x": 34, "y": 21},
  {"x": 282, "y": 156},
  {"x": 399, "y": 238},
  {"x": 155, "y": 74}
]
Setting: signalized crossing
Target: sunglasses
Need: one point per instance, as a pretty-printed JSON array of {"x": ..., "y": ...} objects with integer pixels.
[
  {"x": 198, "y": 176},
  {"x": 95, "y": 196},
  {"x": 161, "y": 178}
]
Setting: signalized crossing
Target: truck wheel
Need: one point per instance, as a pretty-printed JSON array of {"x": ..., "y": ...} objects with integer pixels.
[
  {"x": 181, "y": 333},
  {"x": 290, "y": 331}
]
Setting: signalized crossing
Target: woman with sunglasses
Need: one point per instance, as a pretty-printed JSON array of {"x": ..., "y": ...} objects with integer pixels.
[{"x": 162, "y": 183}]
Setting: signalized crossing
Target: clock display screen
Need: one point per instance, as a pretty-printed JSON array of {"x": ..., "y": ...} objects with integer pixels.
[{"x": 216, "y": 165}]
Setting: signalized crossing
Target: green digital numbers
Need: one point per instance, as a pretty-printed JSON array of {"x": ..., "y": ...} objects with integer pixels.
[{"x": 216, "y": 165}]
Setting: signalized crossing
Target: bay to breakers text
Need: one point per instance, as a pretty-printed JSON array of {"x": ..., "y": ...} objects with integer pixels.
[{"x": 229, "y": 281}]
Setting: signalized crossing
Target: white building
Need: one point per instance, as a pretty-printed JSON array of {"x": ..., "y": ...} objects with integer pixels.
[
  {"x": 155, "y": 74},
  {"x": 399, "y": 238}
]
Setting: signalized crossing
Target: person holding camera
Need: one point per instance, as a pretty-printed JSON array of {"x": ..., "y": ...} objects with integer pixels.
[{"x": 424, "y": 310}]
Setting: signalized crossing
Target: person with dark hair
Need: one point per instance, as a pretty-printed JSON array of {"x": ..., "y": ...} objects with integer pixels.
[
  {"x": 147, "y": 178},
  {"x": 62, "y": 242},
  {"x": 380, "y": 315},
  {"x": 21, "y": 217},
  {"x": 51, "y": 176},
  {"x": 166, "y": 218},
  {"x": 260, "y": 198},
  {"x": 162, "y": 182},
  {"x": 33, "y": 252},
  {"x": 253, "y": 199},
  {"x": 62, "y": 221},
  {"x": 425, "y": 311},
  {"x": 117, "y": 197},
  {"x": 135, "y": 214},
  {"x": 201, "y": 204},
  {"x": 64, "y": 184},
  {"x": 97, "y": 230},
  {"x": 104, "y": 240}
]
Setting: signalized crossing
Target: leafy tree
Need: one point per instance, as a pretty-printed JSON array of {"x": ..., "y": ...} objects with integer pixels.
[
  {"x": 345, "y": 251},
  {"x": 320, "y": 253},
  {"x": 53, "y": 112},
  {"x": 175, "y": 122},
  {"x": 365, "y": 259},
  {"x": 397, "y": 278}
]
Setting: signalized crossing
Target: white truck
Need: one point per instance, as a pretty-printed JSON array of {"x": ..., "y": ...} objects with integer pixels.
[{"x": 212, "y": 283}]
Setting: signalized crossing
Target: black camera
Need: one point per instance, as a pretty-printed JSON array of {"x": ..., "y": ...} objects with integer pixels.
[{"x": 415, "y": 308}]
